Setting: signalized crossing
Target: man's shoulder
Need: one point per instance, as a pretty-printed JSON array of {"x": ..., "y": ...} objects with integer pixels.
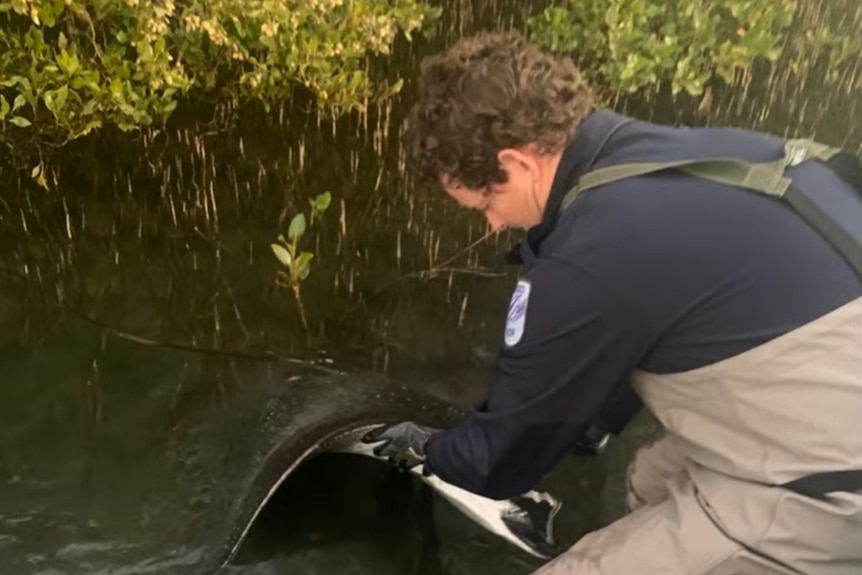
[
  {"x": 610, "y": 219},
  {"x": 644, "y": 141}
]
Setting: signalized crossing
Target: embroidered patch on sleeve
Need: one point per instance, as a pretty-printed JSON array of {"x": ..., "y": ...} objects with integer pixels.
[{"x": 517, "y": 315}]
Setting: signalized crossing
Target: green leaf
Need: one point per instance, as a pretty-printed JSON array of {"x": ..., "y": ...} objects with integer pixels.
[
  {"x": 36, "y": 171},
  {"x": 87, "y": 80},
  {"x": 88, "y": 127},
  {"x": 303, "y": 263},
  {"x": 321, "y": 202},
  {"x": 4, "y": 107},
  {"x": 40, "y": 179},
  {"x": 48, "y": 18},
  {"x": 116, "y": 88},
  {"x": 20, "y": 100},
  {"x": 304, "y": 258},
  {"x": 62, "y": 59},
  {"x": 56, "y": 99},
  {"x": 88, "y": 108},
  {"x": 282, "y": 254},
  {"x": 297, "y": 228},
  {"x": 21, "y": 80},
  {"x": 20, "y": 121}
]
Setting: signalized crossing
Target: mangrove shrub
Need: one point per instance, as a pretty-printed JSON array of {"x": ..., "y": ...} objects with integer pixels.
[
  {"x": 627, "y": 45},
  {"x": 68, "y": 67}
]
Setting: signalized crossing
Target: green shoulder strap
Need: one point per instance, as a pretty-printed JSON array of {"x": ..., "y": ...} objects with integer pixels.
[{"x": 766, "y": 177}]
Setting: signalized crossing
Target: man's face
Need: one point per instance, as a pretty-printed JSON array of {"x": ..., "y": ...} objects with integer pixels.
[{"x": 512, "y": 204}]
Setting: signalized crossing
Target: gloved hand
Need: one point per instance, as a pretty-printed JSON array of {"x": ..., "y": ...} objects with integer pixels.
[{"x": 403, "y": 443}]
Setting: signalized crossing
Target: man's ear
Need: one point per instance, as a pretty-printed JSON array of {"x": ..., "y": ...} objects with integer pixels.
[{"x": 514, "y": 161}]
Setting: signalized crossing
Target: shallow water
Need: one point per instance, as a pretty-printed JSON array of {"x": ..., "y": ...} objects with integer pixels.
[{"x": 169, "y": 242}]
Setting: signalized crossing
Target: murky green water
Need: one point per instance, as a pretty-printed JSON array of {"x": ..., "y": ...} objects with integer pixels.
[{"x": 169, "y": 241}]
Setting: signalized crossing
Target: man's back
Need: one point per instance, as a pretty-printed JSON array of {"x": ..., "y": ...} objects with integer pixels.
[{"x": 710, "y": 271}]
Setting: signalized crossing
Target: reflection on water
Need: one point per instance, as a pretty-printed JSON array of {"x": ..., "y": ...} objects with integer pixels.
[{"x": 169, "y": 241}]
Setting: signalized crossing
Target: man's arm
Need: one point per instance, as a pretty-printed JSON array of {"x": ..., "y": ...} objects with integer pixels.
[{"x": 578, "y": 344}]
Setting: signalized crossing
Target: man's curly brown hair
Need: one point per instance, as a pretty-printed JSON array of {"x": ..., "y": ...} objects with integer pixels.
[{"x": 487, "y": 93}]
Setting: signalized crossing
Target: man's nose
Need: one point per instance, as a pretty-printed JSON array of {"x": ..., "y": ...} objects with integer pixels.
[{"x": 495, "y": 221}]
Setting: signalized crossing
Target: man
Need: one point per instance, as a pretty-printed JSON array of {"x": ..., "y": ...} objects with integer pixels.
[{"x": 714, "y": 272}]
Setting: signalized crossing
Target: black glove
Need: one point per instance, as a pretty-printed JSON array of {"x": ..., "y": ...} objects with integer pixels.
[
  {"x": 403, "y": 443},
  {"x": 593, "y": 442}
]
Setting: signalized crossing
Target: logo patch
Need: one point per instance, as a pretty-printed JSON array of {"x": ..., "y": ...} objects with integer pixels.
[{"x": 517, "y": 315}]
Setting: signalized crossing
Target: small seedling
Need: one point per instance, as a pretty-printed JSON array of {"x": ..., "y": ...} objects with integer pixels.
[{"x": 297, "y": 264}]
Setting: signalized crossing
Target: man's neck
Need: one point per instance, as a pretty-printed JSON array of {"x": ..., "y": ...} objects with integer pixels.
[{"x": 548, "y": 164}]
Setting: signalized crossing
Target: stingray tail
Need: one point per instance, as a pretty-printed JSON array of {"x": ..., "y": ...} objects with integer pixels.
[{"x": 531, "y": 520}]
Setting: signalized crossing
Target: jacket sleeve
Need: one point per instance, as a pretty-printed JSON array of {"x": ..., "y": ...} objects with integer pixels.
[{"x": 568, "y": 369}]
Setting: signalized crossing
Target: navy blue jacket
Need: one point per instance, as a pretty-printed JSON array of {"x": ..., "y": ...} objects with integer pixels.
[{"x": 664, "y": 273}]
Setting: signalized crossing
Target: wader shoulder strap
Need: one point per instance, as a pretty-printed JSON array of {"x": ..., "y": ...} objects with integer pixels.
[
  {"x": 765, "y": 177},
  {"x": 843, "y": 242}
]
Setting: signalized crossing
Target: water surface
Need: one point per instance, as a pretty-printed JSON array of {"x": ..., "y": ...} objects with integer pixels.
[{"x": 167, "y": 240}]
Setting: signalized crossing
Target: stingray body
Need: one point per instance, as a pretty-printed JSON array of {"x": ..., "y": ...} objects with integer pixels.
[{"x": 311, "y": 416}]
